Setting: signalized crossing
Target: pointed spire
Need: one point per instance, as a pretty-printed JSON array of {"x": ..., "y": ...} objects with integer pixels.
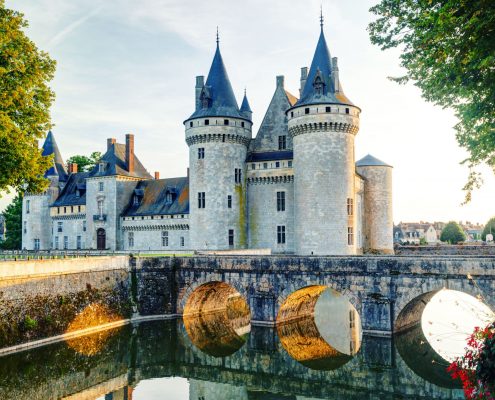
[
  {"x": 50, "y": 147},
  {"x": 245, "y": 107}
]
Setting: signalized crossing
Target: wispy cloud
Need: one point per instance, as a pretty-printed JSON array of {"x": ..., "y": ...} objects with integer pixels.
[{"x": 60, "y": 36}]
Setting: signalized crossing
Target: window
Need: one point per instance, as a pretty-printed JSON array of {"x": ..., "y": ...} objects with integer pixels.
[
  {"x": 78, "y": 193},
  {"x": 290, "y": 164},
  {"x": 66, "y": 242},
  {"x": 281, "y": 234},
  {"x": 242, "y": 124},
  {"x": 84, "y": 226},
  {"x": 100, "y": 207},
  {"x": 136, "y": 200},
  {"x": 238, "y": 176},
  {"x": 36, "y": 244},
  {"x": 78, "y": 208},
  {"x": 182, "y": 241},
  {"x": 350, "y": 207},
  {"x": 306, "y": 110},
  {"x": 169, "y": 198},
  {"x": 292, "y": 114},
  {"x": 350, "y": 236},
  {"x": 280, "y": 201},
  {"x": 65, "y": 210},
  {"x": 78, "y": 242},
  {"x": 100, "y": 186},
  {"x": 165, "y": 238},
  {"x": 229, "y": 201},
  {"x": 265, "y": 165},
  {"x": 277, "y": 164},
  {"x": 101, "y": 167},
  {"x": 253, "y": 166},
  {"x": 282, "y": 142},
  {"x": 58, "y": 210},
  {"x": 347, "y": 111},
  {"x": 231, "y": 237},
  {"x": 201, "y": 153},
  {"x": 352, "y": 319},
  {"x": 201, "y": 200},
  {"x": 130, "y": 239},
  {"x": 25, "y": 226},
  {"x": 328, "y": 109},
  {"x": 225, "y": 121},
  {"x": 28, "y": 206},
  {"x": 191, "y": 124},
  {"x": 56, "y": 243},
  {"x": 60, "y": 226},
  {"x": 207, "y": 122},
  {"x": 71, "y": 209}
]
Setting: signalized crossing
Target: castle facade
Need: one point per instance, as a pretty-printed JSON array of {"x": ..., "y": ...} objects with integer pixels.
[{"x": 295, "y": 188}]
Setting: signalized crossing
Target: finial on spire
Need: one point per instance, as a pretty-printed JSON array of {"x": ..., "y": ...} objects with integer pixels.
[
  {"x": 321, "y": 16},
  {"x": 245, "y": 90},
  {"x": 218, "y": 37}
]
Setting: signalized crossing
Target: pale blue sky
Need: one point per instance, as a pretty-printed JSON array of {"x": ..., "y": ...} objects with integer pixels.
[{"x": 129, "y": 66}]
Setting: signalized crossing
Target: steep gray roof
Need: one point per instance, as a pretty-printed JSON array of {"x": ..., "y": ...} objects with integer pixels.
[
  {"x": 115, "y": 164},
  {"x": 74, "y": 192},
  {"x": 370, "y": 161},
  {"x": 321, "y": 67},
  {"x": 221, "y": 99},
  {"x": 274, "y": 123},
  {"x": 153, "y": 197},
  {"x": 58, "y": 168}
]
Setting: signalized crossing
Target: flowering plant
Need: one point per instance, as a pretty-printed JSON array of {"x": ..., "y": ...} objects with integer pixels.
[{"x": 476, "y": 368}]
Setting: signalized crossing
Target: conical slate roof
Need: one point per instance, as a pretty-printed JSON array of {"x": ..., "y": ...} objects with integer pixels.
[
  {"x": 58, "y": 168},
  {"x": 220, "y": 96},
  {"x": 370, "y": 161},
  {"x": 321, "y": 66},
  {"x": 245, "y": 107}
]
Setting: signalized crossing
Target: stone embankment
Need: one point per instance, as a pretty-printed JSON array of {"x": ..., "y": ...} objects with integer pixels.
[{"x": 446, "y": 250}]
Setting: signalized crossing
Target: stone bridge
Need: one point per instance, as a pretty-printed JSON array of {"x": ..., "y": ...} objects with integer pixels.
[{"x": 379, "y": 287}]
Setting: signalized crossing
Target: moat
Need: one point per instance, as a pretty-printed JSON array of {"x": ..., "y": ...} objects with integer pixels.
[{"x": 205, "y": 359}]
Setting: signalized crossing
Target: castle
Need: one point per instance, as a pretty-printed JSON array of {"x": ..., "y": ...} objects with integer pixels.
[{"x": 294, "y": 188}]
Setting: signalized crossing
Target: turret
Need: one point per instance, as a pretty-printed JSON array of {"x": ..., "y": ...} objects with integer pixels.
[
  {"x": 322, "y": 125},
  {"x": 246, "y": 108},
  {"x": 218, "y": 135},
  {"x": 378, "y": 217}
]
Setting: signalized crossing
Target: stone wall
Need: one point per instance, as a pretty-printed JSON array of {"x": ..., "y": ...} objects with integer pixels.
[{"x": 446, "y": 250}]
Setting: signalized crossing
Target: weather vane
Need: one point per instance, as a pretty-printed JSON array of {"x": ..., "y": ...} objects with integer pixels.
[
  {"x": 321, "y": 16},
  {"x": 218, "y": 36}
]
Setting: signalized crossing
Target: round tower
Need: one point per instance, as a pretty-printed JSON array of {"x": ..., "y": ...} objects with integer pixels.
[
  {"x": 218, "y": 135},
  {"x": 378, "y": 218},
  {"x": 323, "y": 124}
]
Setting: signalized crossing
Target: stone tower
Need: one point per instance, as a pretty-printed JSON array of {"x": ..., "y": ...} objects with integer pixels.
[
  {"x": 218, "y": 135},
  {"x": 36, "y": 229},
  {"x": 323, "y": 124},
  {"x": 378, "y": 223}
]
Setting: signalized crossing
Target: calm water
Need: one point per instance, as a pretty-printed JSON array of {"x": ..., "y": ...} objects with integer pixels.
[{"x": 206, "y": 358}]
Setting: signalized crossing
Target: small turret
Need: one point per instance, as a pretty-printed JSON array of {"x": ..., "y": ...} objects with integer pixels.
[{"x": 245, "y": 108}]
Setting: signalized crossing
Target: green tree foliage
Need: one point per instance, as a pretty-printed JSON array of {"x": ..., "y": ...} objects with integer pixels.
[
  {"x": 85, "y": 163},
  {"x": 25, "y": 100},
  {"x": 489, "y": 228},
  {"x": 452, "y": 233},
  {"x": 448, "y": 50},
  {"x": 13, "y": 225}
]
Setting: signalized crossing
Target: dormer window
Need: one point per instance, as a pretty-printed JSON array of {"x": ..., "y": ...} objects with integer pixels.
[
  {"x": 101, "y": 167},
  {"x": 205, "y": 97},
  {"x": 78, "y": 193},
  {"x": 136, "y": 200},
  {"x": 169, "y": 198},
  {"x": 318, "y": 83}
]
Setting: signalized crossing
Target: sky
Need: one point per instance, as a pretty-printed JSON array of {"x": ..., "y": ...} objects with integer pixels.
[{"x": 129, "y": 67}]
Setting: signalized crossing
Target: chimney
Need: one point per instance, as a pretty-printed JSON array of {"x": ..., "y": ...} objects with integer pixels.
[
  {"x": 304, "y": 76},
  {"x": 200, "y": 82},
  {"x": 280, "y": 81},
  {"x": 157, "y": 175},
  {"x": 335, "y": 74},
  {"x": 110, "y": 141},
  {"x": 72, "y": 168},
  {"x": 129, "y": 152}
]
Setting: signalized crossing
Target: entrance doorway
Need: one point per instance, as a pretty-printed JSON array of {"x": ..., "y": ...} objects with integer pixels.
[{"x": 101, "y": 238}]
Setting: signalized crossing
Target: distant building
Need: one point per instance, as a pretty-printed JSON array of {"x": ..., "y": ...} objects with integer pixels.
[{"x": 413, "y": 232}]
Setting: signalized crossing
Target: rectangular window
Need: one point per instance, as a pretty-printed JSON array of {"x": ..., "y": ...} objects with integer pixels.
[
  {"x": 207, "y": 122},
  {"x": 281, "y": 234},
  {"x": 229, "y": 201},
  {"x": 78, "y": 208},
  {"x": 350, "y": 207},
  {"x": 101, "y": 167},
  {"x": 182, "y": 241},
  {"x": 253, "y": 166},
  {"x": 280, "y": 201},
  {"x": 290, "y": 164},
  {"x": 25, "y": 226},
  {"x": 191, "y": 124},
  {"x": 28, "y": 206},
  {"x": 65, "y": 210},
  {"x": 282, "y": 142},
  {"x": 100, "y": 207},
  {"x": 66, "y": 242},
  {"x": 84, "y": 226},
  {"x": 56, "y": 243},
  {"x": 100, "y": 186},
  {"x": 306, "y": 111},
  {"x": 225, "y": 121},
  {"x": 136, "y": 200},
  {"x": 238, "y": 175},
  {"x": 292, "y": 114},
  {"x": 130, "y": 238},
  {"x": 165, "y": 238},
  {"x": 201, "y": 200},
  {"x": 231, "y": 237},
  {"x": 242, "y": 124},
  {"x": 328, "y": 109},
  {"x": 350, "y": 236},
  {"x": 277, "y": 164},
  {"x": 201, "y": 153},
  {"x": 347, "y": 111},
  {"x": 78, "y": 242},
  {"x": 265, "y": 165},
  {"x": 60, "y": 226},
  {"x": 36, "y": 244}
]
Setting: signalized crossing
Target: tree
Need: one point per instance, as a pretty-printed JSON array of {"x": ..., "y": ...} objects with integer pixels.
[
  {"x": 448, "y": 51},
  {"x": 13, "y": 225},
  {"x": 452, "y": 233},
  {"x": 25, "y": 100},
  {"x": 85, "y": 163},
  {"x": 489, "y": 228}
]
